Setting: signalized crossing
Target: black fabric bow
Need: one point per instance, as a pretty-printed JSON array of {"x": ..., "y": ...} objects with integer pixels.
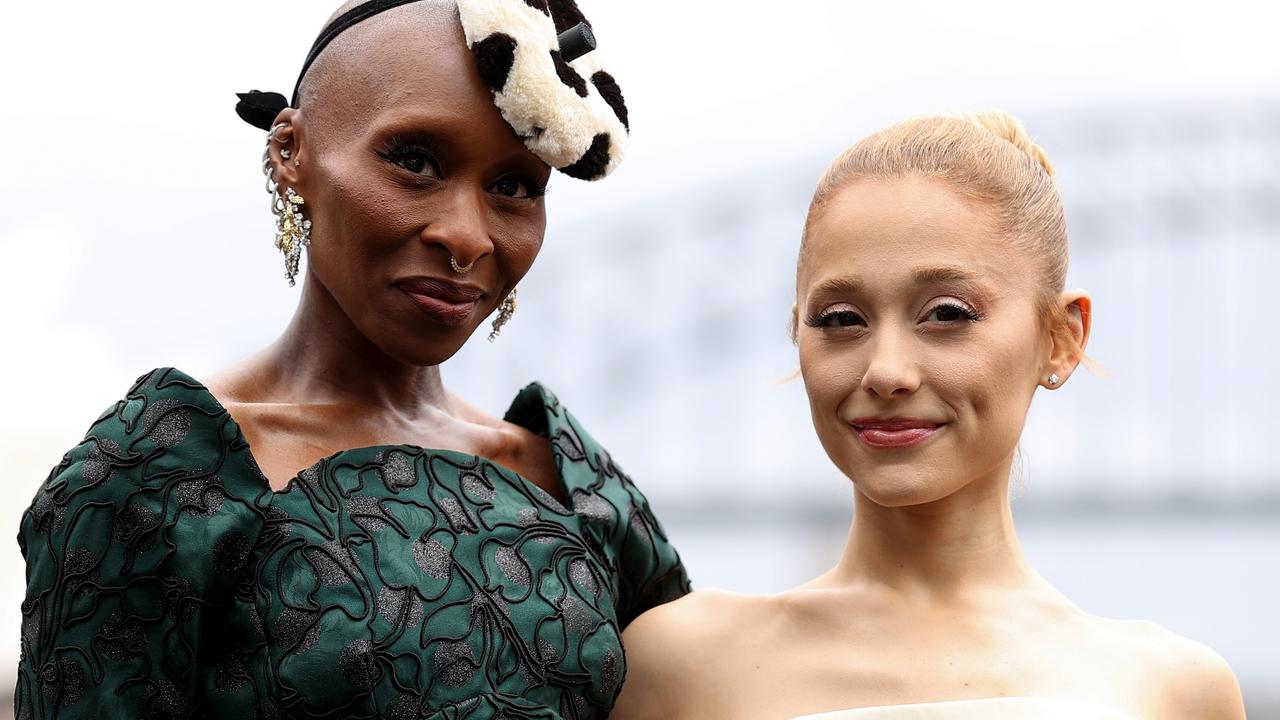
[{"x": 260, "y": 109}]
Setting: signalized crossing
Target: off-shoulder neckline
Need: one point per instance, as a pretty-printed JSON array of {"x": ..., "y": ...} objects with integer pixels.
[
  {"x": 1112, "y": 712},
  {"x": 552, "y": 420}
]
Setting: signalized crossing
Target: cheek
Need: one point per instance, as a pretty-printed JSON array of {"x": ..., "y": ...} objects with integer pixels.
[
  {"x": 830, "y": 379},
  {"x": 518, "y": 239},
  {"x": 365, "y": 213},
  {"x": 829, "y": 376},
  {"x": 993, "y": 387},
  {"x": 356, "y": 220}
]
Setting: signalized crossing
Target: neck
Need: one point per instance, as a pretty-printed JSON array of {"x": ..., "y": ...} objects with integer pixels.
[
  {"x": 961, "y": 543},
  {"x": 323, "y": 358}
]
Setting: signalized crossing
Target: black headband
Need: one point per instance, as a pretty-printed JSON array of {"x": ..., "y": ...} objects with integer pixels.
[{"x": 260, "y": 109}]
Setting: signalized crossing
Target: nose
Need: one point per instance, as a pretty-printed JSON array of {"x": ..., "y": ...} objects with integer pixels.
[
  {"x": 891, "y": 371},
  {"x": 461, "y": 225}
]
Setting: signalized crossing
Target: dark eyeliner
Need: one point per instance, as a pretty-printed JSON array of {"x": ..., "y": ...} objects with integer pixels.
[
  {"x": 819, "y": 320},
  {"x": 532, "y": 189},
  {"x": 400, "y": 147},
  {"x": 967, "y": 313}
]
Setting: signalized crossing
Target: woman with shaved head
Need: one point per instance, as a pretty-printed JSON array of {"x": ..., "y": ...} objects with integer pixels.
[{"x": 324, "y": 531}]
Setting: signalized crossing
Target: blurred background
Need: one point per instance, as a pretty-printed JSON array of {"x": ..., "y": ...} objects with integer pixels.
[{"x": 134, "y": 233}]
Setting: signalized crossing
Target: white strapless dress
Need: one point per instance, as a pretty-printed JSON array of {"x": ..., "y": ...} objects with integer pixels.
[{"x": 1012, "y": 708}]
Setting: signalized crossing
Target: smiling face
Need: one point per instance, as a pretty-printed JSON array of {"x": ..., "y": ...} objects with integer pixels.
[
  {"x": 920, "y": 336},
  {"x": 405, "y": 163}
]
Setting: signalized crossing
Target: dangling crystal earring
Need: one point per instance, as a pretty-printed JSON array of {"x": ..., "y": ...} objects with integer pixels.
[
  {"x": 293, "y": 231},
  {"x": 505, "y": 311}
]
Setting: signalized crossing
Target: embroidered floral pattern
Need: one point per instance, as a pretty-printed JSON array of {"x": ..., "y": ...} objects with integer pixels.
[{"x": 166, "y": 580}]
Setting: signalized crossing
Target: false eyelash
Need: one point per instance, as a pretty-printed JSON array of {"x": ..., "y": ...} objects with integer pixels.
[
  {"x": 407, "y": 141},
  {"x": 400, "y": 146},
  {"x": 817, "y": 320},
  {"x": 534, "y": 189},
  {"x": 969, "y": 313}
]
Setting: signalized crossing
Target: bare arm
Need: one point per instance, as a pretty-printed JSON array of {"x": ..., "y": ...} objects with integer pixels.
[
  {"x": 671, "y": 652},
  {"x": 647, "y": 693}
]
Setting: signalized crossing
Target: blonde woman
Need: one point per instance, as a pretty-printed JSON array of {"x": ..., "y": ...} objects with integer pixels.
[{"x": 930, "y": 308}]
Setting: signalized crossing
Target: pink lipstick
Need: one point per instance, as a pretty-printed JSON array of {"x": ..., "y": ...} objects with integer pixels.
[{"x": 893, "y": 433}]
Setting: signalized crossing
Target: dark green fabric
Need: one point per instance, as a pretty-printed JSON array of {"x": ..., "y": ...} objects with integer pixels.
[{"x": 166, "y": 580}]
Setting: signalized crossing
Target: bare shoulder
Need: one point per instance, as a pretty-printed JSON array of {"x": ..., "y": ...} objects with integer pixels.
[
  {"x": 696, "y": 618},
  {"x": 517, "y": 444},
  {"x": 1184, "y": 678},
  {"x": 464, "y": 410},
  {"x": 230, "y": 386},
  {"x": 673, "y": 650},
  {"x": 689, "y": 631}
]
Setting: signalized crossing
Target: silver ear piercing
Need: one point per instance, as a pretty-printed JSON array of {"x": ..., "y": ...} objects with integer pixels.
[
  {"x": 460, "y": 269},
  {"x": 293, "y": 230},
  {"x": 1054, "y": 379}
]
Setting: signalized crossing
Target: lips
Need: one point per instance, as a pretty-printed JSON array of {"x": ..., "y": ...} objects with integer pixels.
[
  {"x": 445, "y": 302},
  {"x": 892, "y": 433}
]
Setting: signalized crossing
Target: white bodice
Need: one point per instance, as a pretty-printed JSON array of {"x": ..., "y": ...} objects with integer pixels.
[{"x": 1015, "y": 708}]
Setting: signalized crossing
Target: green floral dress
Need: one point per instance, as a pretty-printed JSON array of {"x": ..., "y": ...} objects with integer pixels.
[{"x": 166, "y": 580}]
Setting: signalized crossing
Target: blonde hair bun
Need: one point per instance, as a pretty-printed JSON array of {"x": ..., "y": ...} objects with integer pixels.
[
  {"x": 985, "y": 156},
  {"x": 1010, "y": 129}
]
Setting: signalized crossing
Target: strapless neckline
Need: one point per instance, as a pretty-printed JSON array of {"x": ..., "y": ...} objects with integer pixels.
[{"x": 1001, "y": 708}]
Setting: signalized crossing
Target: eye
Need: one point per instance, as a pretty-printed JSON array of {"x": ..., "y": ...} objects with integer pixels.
[
  {"x": 418, "y": 163},
  {"x": 516, "y": 187},
  {"x": 412, "y": 158},
  {"x": 836, "y": 319},
  {"x": 950, "y": 313}
]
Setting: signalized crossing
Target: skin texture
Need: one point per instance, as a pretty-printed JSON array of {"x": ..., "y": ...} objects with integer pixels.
[
  {"x": 933, "y": 598},
  {"x": 404, "y": 162}
]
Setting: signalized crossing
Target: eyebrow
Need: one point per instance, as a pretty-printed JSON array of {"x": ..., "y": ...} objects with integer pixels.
[
  {"x": 943, "y": 274},
  {"x": 924, "y": 276}
]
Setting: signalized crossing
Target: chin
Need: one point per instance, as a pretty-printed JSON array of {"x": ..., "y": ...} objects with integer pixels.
[
  {"x": 900, "y": 485},
  {"x": 897, "y": 496},
  {"x": 434, "y": 349}
]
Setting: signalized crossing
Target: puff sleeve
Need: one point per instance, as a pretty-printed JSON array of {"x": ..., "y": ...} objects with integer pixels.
[
  {"x": 616, "y": 516},
  {"x": 135, "y": 545}
]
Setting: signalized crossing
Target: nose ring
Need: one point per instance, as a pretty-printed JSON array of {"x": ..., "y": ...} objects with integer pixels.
[{"x": 460, "y": 269}]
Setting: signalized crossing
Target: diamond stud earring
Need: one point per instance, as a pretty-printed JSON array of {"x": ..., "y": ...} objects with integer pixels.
[{"x": 1053, "y": 378}]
